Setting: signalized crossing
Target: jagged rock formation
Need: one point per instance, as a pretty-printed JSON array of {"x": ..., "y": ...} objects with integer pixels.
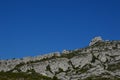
[
  {"x": 99, "y": 61},
  {"x": 96, "y": 39}
]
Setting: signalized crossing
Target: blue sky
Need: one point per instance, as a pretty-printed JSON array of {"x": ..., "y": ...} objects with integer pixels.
[{"x": 34, "y": 27}]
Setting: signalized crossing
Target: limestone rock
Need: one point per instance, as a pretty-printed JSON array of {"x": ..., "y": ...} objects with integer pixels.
[
  {"x": 79, "y": 64},
  {"x": 94, "y": 40},
  {"x": 65, "y": 52}
]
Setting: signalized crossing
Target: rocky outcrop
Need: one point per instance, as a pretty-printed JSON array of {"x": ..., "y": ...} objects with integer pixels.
[
  {"x": 96, "y": 39},
  {"x": 101, "y": 59}
]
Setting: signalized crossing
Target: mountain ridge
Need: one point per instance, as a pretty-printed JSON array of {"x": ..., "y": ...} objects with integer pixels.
[{"x": 100, "y": 60}]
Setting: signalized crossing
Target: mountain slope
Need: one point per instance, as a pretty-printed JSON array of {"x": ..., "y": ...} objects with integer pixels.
[{"x": 99, "y": 61}]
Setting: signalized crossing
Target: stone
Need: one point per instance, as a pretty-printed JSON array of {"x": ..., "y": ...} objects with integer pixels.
[
  {"x": 94, "y": 40},
  {"x": 65, "y": 52}
]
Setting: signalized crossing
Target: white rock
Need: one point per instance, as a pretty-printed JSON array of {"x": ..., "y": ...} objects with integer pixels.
[{"x": 94, "y": 40}]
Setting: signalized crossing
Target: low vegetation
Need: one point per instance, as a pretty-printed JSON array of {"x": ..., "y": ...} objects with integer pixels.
[
  {"x": 113, "y": 67},
  {"x": 22, "y": 76},
  {"x": 101, "y": 78}
]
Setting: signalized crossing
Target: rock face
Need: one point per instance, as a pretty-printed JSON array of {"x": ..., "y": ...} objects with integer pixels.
[
  {"x": 96, "y": 39},
  {"x": 99, "y": 61}
]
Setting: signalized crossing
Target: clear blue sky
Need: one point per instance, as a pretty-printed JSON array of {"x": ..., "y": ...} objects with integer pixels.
[{"x": 34, "y": 27}]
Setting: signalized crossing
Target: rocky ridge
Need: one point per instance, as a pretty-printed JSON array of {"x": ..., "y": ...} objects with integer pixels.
[{"x": 100, "y": 60}]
